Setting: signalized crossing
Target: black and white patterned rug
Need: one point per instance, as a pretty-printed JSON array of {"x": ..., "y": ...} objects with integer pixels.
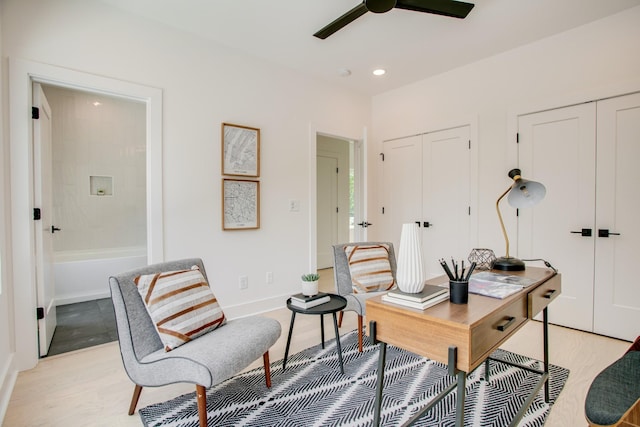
[{"x": 312, "y": 392}]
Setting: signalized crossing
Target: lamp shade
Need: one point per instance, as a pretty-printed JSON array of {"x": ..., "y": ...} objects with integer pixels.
[
  {"x": 410, "y": 271},
  {"x": 526, "y": 194}
]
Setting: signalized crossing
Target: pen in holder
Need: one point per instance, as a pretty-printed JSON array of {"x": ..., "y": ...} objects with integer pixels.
[
  {"x": 458, "y": 281},
  {"x": 459, "y": 291}
]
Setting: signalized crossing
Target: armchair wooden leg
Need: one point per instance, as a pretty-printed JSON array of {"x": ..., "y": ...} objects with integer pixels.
[
  {"x": 360, "y": 333},
  {"x": 267, "y": 368},
  {"x": 134, "y": 399},
  {"x": 340, "y": 314},
  {"x": 201, "y": 394}
]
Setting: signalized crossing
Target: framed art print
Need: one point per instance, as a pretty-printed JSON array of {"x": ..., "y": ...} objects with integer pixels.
[
  {"x": 240, "y": 204},
  {"x": 240, "y": 150}
]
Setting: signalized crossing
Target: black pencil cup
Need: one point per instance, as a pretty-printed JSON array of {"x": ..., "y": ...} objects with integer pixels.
[{"x": 458, "y": 291}]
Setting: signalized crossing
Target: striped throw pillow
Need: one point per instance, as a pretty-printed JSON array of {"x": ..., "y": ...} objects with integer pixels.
[
  {"x": 181, "y": 305},
  {"x": 369, "y": 268}
]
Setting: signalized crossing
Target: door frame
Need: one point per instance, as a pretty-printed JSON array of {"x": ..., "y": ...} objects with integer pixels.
[
  {"x": 361, "y": 198},
  {"x": 22, "y": 73}
]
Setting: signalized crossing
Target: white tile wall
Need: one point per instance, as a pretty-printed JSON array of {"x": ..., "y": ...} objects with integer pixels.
[{"x": 99, "y": 140}]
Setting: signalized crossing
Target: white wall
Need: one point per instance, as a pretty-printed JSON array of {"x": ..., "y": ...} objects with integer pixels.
[
  {"x": 203, "y": 85},
  {"x": 7, "y": 370},
  {"x": 596, "y": 60}
]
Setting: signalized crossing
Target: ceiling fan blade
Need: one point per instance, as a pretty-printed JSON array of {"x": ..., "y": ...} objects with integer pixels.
[
  {"x": 342, "y": 21},
  {"x": 455, "y": 9}
]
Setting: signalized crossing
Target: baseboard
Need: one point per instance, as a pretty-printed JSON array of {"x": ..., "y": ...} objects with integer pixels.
[
  {"x": 74, "y": 298},
  {"x": 8, "y": 377}
]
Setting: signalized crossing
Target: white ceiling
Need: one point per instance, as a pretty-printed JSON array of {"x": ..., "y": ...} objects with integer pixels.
[{"x": 410, "y": 45}]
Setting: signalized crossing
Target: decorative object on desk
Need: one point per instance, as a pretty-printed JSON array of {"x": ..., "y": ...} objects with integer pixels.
[
  {"x": 309, "y": 301},
  {"x": 483, "y": 258},
  {"x": 310, "y": 284},
  {"x": 410, "y": 274},
  {"x": 522, "y": 194},
  {"x": 310, "y": 392}
]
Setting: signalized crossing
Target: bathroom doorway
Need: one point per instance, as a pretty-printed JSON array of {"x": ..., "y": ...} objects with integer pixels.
[{"x": 99, "y": 208}]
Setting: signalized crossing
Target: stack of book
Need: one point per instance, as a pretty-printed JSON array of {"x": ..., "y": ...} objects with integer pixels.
[
  {"x": 430, "y": 296},
  {"x": 305, "y": 301}
]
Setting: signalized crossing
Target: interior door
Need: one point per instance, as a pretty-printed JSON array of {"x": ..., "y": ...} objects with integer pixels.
[
  {"x": 44, "y": 228},
  {"x": 327, "y": 206},
  {"x": 446, "y": 194},
  {"x": 402, "y": 188},
  {"x": 558, "y": 149},
  {"x": 617, "y": 291}
]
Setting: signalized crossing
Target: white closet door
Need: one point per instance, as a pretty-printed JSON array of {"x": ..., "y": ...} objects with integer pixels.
[
  {"x": 402, "y": 175},
  {"x": 446, "y": 197},
  {"x": 617, "y": 290},
  {"x": 558, "y": 148}
]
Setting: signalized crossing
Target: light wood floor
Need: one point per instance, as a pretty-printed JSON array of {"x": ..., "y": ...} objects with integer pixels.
[{"x": 90, "y": 388}]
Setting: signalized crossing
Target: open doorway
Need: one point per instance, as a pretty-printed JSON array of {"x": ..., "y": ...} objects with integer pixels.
[
  {"x": 339, "y": 195},
  {"x": 98, "y": 191},
  {"x": 22, "y": 74}
]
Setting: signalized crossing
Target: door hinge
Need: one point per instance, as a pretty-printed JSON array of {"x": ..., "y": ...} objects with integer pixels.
[
  {"x": 382, "y": 155},
  {"x": 40, "y": 313},
  {"x": 469, "y": 144},
  {"x": 517, "y": 137},
  {"x": 469, "y": 210},
  {"x": 337, "y": 170},
  {"x": 37, "y": 214},
  {"x": 337, "y": 209},
  {"x": 35, "y": 113},
  {"x": 383, "y": 210}
]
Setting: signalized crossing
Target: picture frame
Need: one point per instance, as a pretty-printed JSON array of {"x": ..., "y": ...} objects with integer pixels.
[
  {"x": 240, "y": 150},
  {"x": 240, "y": 204}
]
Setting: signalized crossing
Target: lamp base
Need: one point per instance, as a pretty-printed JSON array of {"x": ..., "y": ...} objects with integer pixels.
[{"x": 508, "y": 264}]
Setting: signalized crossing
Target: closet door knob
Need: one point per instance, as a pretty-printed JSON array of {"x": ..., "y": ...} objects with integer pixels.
[
  {"x": 585, "y": 232},
  {"x": 604, "y": 232}
]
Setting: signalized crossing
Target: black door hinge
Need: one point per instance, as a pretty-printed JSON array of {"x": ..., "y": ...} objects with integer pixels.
[
  {"x": 35, "y": 113},
  {"x": 37, "y": 215},
  {"x": 40, "y": 313},
  {"x": 518, "y": 138}
]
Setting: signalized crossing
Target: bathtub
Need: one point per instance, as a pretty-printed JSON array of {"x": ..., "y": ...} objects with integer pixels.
[{"x": 84, "y": 275}]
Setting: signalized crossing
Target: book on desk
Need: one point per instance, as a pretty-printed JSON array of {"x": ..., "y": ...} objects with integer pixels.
[
  {"x": 309, "y": 301},
  {"x": 429, "y": 296}
]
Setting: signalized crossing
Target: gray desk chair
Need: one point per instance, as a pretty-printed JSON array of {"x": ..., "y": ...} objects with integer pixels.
[
  {"x": 344, "y": 286},
  {"x": 613, "y": 398},
  {"x": 205, "y": 361}
]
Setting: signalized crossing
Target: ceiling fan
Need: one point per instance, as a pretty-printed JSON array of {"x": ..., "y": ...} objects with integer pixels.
[{"x": 455, "y": 9}]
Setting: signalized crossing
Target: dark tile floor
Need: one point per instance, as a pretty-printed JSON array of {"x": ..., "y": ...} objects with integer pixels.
[{"x": 83, "y": 324}]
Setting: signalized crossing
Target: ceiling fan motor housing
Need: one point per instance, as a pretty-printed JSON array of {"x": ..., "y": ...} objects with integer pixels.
[{"x": 379, "y": 6}]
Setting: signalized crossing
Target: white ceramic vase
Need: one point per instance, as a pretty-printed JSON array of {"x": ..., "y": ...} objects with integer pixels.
[
  {"x": 309, "y": 288},
  {"x": 410, "y": 271}
]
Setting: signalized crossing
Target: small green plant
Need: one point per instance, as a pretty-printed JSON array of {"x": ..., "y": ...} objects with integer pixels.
[{"x": 311, "y": 277}]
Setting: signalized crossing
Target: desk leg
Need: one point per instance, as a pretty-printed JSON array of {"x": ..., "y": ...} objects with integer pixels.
[
  {"x": 380, "y": 382},
  {"x": 338, "y": 346},
  {"x": 322, "y": 330},
  {"x": 286, "y": 351},
  {"x": 545, "y": 332},
  {"x": 461, "y": 397}
]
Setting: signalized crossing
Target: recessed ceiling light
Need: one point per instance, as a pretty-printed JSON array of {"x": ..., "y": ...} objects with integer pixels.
[
  {"x": 96, "y": 103},
  {"x": 379, "y": 72}
]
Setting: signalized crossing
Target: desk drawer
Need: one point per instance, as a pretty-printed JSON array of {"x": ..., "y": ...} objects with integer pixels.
[
  {"x": 489, "y": 334},
  {"x": 541, "y": 296}
]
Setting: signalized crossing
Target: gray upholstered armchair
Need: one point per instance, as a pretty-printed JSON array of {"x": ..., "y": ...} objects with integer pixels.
[
  {"x": 204, "y": 361},
  {"x": 344, "y": 285}
]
